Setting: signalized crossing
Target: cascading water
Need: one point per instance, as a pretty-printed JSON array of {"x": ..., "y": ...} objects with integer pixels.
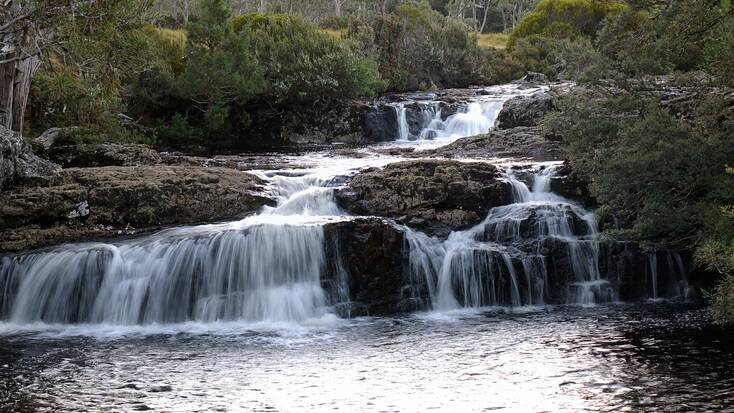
[
  {"x": 271, "y": 267},
  {"x": 264, "y": 268},
  {"x": 501, "y": 260},
  {"x": 666, "y": 278},
  {"x": 475, "y": 119}
]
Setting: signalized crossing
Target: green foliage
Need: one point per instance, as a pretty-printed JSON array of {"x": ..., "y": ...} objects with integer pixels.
[
  {"x": 219, "y": 67},
  {"x": 565, "y": 18},
  {"x": 718, "y": 257},
  {"x": 718, "y": 52},
  {"x": 559, "y": 59},
  {"x": 88, "y": 63},
  {"x": 679, "y": 35},
  {"x": 417, "y": 48},
  {"x": 301, "y": 62},
  {"x": 655, "y": 176},
  {"x": 650, "y": 55}
]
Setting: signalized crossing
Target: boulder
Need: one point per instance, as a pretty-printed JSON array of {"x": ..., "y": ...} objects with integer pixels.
[
  {"x": 433, "y": 195},
  {"x": 524, "y": 111},
  {"x": 109, "y": 201},
  {"x": 520, "y": 142},
  {"x": 569, "y": 184},
  {"x": 532, "y": 78},
  {"x": 370, "y": 252},
  {"x": 18, "y": 164},
  {"x": 102, "y": 154},
  {"x": 381, "y": 123}
]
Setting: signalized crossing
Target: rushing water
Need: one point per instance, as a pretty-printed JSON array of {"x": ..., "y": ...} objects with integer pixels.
[
  {"x": 477, "y": 267},
  {"x": 233, "y": 316},
  {"x": 637, "y": 359}
]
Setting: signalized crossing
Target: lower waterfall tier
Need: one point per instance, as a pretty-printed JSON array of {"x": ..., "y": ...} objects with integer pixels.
[{"x": 303, "y": 260}]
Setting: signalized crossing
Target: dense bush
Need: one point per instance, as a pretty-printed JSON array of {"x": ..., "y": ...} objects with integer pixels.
[
  {"x": 417, "y": 48},
  {"x": 655, "y": 176},
  {"x": 565, "y": 18},
  {"x": 87, "y": 63},
  {"x": 206, "y": 91},
  {"x": 559, "y": 59},
  {"x": 302, "y": 63}
]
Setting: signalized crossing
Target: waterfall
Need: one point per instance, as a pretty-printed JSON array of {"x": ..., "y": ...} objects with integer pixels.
[
  {"x": 403, "y": 128},
  {"x": 475, "y": 119},
  {"x": 264, "y": 268},
  {"x": 667, "y": 277},
  {"x": 500, "y": 261}
]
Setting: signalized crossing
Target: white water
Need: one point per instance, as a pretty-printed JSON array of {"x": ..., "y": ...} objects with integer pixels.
[
  {"x": 669, "y": 282},
  {"x": 500, "y": 261},
  {"x": 267, "y": 269},
  {"x": 475, "y": 118}
]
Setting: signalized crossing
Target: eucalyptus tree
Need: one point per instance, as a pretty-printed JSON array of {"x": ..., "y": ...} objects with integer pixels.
[{"x": 95, "y": 40}]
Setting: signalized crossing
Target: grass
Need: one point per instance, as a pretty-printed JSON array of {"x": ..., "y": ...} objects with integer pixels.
[
  {"x": 337, "y": 34},
  {"x": 493, "y": 40}
]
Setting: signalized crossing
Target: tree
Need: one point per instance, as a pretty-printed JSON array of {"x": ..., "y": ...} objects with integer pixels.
[
  {"x": 220, "y": 69},
  {"x": 21, "y": 44},
  {"x": 92, "y": 39}
]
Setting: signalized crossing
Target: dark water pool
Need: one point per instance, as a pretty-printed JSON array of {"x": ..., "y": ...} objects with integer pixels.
[{"x": 620, "y": 358}]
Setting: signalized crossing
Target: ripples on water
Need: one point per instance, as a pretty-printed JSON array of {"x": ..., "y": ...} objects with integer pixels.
[{"x": 655, "y": 358}]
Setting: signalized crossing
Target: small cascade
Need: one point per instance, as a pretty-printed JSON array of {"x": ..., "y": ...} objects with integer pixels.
[
  {"x": 504, "y": 259},
  {"x": 652, "y": 266},
  {"x": 427, "y": 121},
  {"x": 261, "y": 272},
  {"x": 667, "y": 277},
  {"x": 264, "y": 268},
  {"x": 403, "y": 128}
]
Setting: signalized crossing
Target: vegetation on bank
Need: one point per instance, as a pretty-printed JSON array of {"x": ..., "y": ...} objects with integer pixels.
[{"x": 660, "y": 173}]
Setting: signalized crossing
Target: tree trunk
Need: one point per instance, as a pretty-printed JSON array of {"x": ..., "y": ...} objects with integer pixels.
[
  {"x": 186, "y": 11},
  {"x": 486, "y": 12},
  {"x": 263, "y": 6},
  {"x": 19, "y": 61},
  {"x": 474, "y": 14},
  {"x": 337, "y": 8}
]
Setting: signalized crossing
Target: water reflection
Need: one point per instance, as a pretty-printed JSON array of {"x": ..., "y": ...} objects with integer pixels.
[{"x": 657, "y": 358}]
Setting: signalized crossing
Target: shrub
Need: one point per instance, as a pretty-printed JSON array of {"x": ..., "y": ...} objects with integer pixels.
[
  {"x": 417, "y": 48},
  {"x": 560, "y": 59},
  {"x": 655, "y": 176},
  {"x": 565, "y": 18},
  {"x": 302, "y": 63}
]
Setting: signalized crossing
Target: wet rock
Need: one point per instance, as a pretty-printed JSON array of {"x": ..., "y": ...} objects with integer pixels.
[
  {"x": 433, "y": 195},
  {"x": 381, "y": 123},
  {"x": 102, "y": 154},
  {"x": 372, "y": 253},
  {"x": 533, "y": 78},
  {"x": 524, "y": 111},
  {"x": 569, "y": 184},
  {"x": 244, "y": 162},
  {"x": 325, "y": 123},
  {"x": 91, "y": 203},
  {"x": 18, "y": 164},
  {"x": 521, "y": 142}
]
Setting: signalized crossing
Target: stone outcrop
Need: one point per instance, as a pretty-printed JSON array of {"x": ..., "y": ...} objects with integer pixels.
[
  {"x": 91, "y": 203},
  {"x": 102, "y": 154},
  {"x": 18, "y": 164},
  {"x": 520, "y": 142},
  {"x": 371, "y": 254},
  {"x": 524, "y": 111},
  {"x": 569, "y": 184},
  {"x": 433, "y": 195}
]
